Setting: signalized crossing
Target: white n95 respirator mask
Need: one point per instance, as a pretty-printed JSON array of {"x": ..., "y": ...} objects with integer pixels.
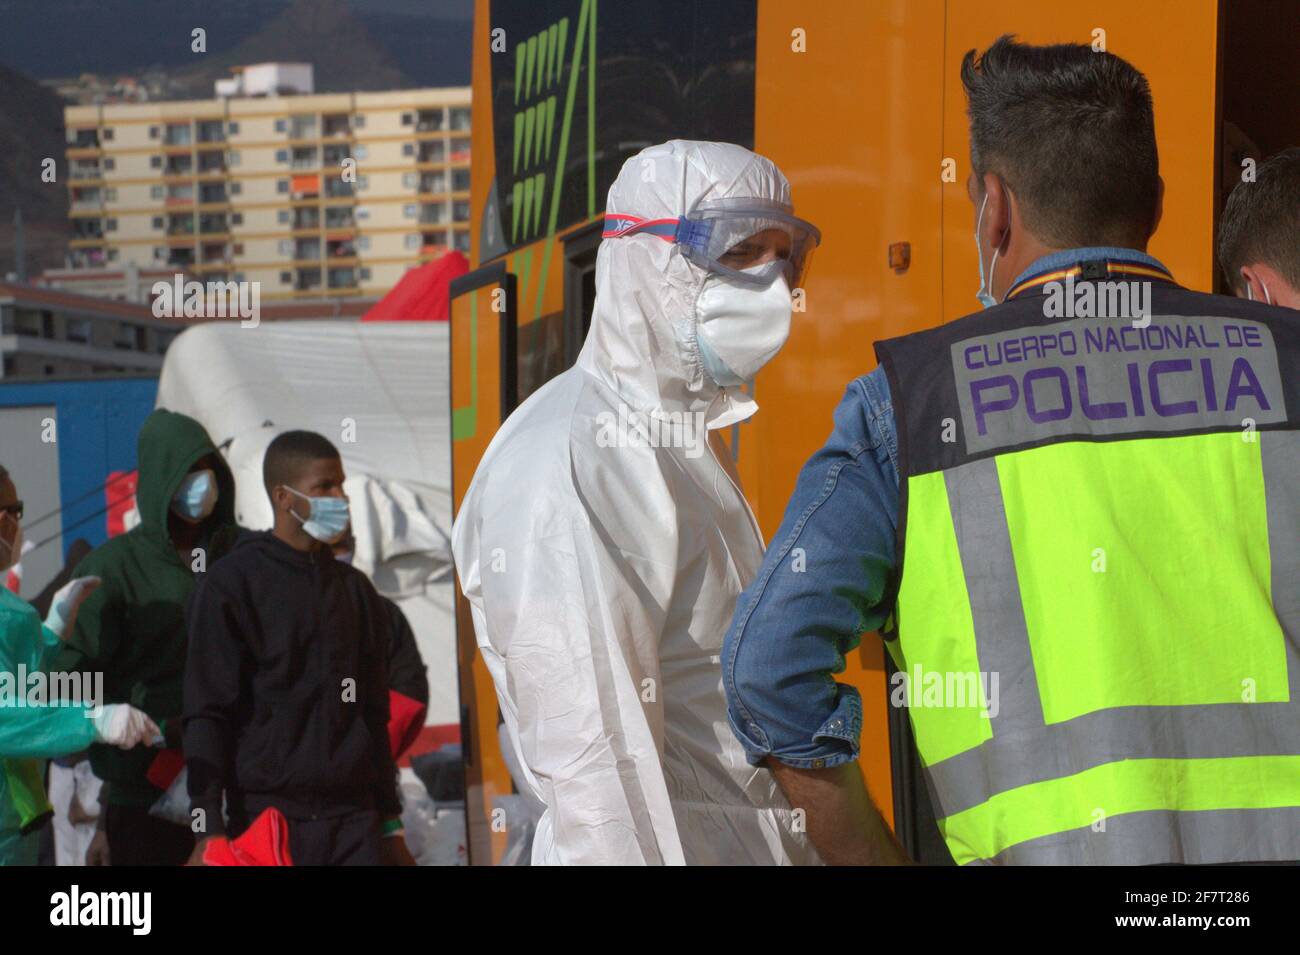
[{"x": 740, "y": 326}]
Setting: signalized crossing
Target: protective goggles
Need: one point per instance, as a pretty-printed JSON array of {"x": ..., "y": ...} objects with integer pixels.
[{"x": 751, "y": 240}]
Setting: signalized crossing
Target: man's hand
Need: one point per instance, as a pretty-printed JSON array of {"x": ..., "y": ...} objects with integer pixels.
[
  {"x": 393, "y": 851},
  {"x": 196, "y": 857},
  {"x": 97, "y": 852},
  {"x": 843, "y": 823}
]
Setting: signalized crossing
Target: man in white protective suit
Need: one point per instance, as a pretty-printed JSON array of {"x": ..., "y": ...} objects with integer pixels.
[{"x": 604, "y": 539}]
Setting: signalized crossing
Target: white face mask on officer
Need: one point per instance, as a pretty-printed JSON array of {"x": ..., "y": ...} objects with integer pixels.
[{"x": 740, "y": 326}]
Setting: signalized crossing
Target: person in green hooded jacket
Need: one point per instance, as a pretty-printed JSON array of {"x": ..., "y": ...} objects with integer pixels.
[
  {"x": 133, "y": 627},
  {"x": 39, "y": 720}
]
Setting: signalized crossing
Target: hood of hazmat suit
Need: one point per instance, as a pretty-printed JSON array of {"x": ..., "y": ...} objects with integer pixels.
[{"x": 602, "y": 545}]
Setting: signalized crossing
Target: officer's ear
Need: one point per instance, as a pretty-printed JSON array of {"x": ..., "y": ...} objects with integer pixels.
[{"x": 996, "y": 224}]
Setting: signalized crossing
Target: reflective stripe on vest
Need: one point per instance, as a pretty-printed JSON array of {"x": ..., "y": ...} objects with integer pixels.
[{"x": 1100, "y": 618}]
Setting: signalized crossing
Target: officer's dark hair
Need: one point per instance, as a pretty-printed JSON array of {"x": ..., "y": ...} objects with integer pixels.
[
  {"x": 1072, "y": 133},
  {"x": 286, "y": 455},
  {"x": 1261, "y": 220}
]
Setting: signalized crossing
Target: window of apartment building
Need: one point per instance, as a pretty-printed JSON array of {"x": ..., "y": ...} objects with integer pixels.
[
  {"x": 232, "y": 157},
  {"x": 282, "y": 185},
  {"x": 409, "y": 180},
  {"x": 286, "y": 278},
  {"x": 155, "y": 192},
  {"x": 412, "y": 240},
  {"x": 232, "y": 129},
  {"x": 153, "y": 132},
  {"x": 236, "y": 188},
  {"x": 282, "y": 155},
  {"x": 237, "y": 248},
  {"x": 360, "y": 151},
  {"x": 408, "y": 119},
  {"x": 155, "y": 162},
  {"x": 408, "y": 149},
  {"x": 410, "y": 211},
  {"x": 460, "y": 211},
  {"x": 286, "y": 246},
  {"x": 282, "y": 216},
  {"x": 110, "y": 195},
  {"x": 461, "y": 241},
  {"x": 363, "y": 243},
  {"x": 110, "y": 163},
  {"x": 359, "y": 121},
  {"x": 365, "y": 275},
  {"x": 112, "y": 255},
  {"x": 77, "y": 330},
  {"x": 281, "y": 125},
  {"x": 159, "y": 253},
  {"x": 460, "y": 180},
  {"x": 236, "y": 218},
  {"x": 106, "y": 134},
  {"x": 361, "y": 213},
  {"x": 460, "y": 117},
  {"x": 363, "y": 183},
  {"x": 110, "y": 225}
]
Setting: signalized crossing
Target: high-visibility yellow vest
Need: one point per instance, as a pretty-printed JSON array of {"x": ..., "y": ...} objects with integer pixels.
[{"x": 1098, "y": 609}]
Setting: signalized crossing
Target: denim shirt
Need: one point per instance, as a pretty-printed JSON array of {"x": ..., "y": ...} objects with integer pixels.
[{"x": 821, "y": 583}]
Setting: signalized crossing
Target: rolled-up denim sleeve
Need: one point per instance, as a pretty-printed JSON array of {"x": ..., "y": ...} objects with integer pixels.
[{"x": 819, "y": 589}]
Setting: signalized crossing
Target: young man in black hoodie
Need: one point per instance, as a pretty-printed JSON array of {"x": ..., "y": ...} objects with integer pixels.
[{"x": 286, "y": 690}]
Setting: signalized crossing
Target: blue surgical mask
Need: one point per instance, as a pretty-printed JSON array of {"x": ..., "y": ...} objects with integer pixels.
[
  {"x": 328, "y": 519},
  {"x": 196, "y": 496},
  {"x": 985, "y": 294}
]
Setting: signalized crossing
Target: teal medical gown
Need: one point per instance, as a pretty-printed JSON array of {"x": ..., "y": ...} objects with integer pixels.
[{"x": 28, "y": 733}]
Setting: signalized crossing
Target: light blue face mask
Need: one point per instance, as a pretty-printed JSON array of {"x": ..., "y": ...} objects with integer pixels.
[
  {"x": 328, "y": 519},
  {"x": 196, "y": 496},
  {"x": 985, "y": 294}
]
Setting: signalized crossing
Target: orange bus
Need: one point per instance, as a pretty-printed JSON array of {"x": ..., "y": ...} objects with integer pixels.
[{"x": 860, "y": 104}]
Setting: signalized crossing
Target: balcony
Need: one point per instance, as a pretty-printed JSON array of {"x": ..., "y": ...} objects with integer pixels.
[
  {"x": 343, "y": 278},
  {"x": 180, "y": 225},
  {"x": 303, "y": 128},
  {"x": 460, "y": 150},
  {"x": 211, "y": 131},
  {"x": 336, "y": 124},
  {"x": 429, "y": 121},
  {"x": 178, "y": 166},
  {"x": 460, "y": 118},
  {"x": 213, "y": 192},
  {"x": 178, "y": 135},
  {"x": 339, "y": 218},
  {"x": 85, "y": 170},
  {"x": 86, "y": 258},
  {"x": 304, "y": 159},
  {"x": 306, "y": 218},
  {"x": 433, "y": 182},
  {"x": 86, "y": 198},
  {"x": 182, "y": 256},
  {"x": 432, "y": 152},
  {"x": 338, "y": 189},
  {"x": 83, "y": 139},
  {"x": 213, "y": 252},
  {"x": 87, "y": 229},
  {"x": 213, "y": 224},
  {"x": 433, "y": 215},
  {"x": 340, "y": 249},
  {"x": 306, "y": 279},
  {"x": 212, "y": 162},
  {"x": 306, "y": 249}
]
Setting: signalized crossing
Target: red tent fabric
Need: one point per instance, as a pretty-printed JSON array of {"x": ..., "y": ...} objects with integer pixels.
[{"x": 422, "y": 294}]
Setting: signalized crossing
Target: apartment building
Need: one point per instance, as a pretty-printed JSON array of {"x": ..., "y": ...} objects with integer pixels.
[{"x": 313, "y": 196}]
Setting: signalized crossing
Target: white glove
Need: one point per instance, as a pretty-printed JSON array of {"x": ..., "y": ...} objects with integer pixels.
[
  {"x": 67, "y": 601},
  {"x": 120, "y": 724}
]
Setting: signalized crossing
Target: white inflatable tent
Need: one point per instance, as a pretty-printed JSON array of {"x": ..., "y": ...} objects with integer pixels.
[{"x": 379, "y": 391}]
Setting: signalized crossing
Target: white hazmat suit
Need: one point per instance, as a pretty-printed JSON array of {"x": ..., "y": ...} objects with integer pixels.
[{"x": 602, "y": 545}]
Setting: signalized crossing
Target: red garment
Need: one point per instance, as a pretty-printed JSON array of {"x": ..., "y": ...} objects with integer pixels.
[
  {"x": 265, "y": 843},
  {"x": 405, "y": 720},
  {"x": 422, "y": 294},
  {"x": 166, "y": 766}
]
